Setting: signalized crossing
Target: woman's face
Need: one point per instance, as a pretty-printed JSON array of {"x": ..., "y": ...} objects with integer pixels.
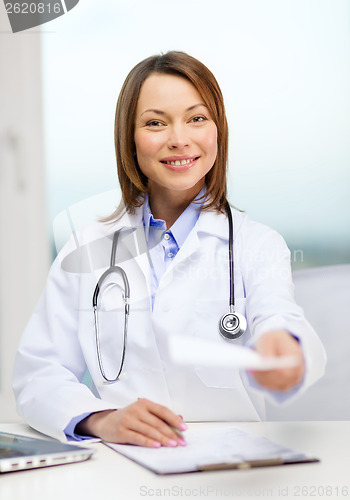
[{"x": 175, "y": 136}]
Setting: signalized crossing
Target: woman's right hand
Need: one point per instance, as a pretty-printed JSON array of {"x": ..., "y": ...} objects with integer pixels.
[{"x": 142, "y": 423}]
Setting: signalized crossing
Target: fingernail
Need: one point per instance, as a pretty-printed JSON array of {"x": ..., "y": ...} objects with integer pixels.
[
  {"x": 181, "y": 417},
  {"x": 172, "y": 442},
  {"x": 156, "y": 444},
  {"x": 182, "y": 442},
  {"x": 183, "y": 426}
]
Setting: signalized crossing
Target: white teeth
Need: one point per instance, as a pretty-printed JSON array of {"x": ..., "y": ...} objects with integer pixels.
[{"x": 178, "y": 162}]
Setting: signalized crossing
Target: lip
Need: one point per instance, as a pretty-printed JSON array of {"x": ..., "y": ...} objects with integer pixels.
[
  {"x": 180, "y": 168},
  {"x": 180, "y": 158}
]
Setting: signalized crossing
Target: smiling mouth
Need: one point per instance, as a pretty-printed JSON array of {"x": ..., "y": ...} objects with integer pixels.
[{"x": 179, "y": 162}]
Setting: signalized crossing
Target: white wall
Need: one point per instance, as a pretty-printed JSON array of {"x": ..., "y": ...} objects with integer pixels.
[{"x": 24, "y": 255}]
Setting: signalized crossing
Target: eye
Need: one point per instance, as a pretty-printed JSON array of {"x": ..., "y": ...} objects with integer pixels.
[
  {"x": 154, "y": 123},
  {"x": 198, "y": 119}
]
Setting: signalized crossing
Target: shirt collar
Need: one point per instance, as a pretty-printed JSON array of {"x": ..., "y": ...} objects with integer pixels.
[{"x": 183, "y": 224}]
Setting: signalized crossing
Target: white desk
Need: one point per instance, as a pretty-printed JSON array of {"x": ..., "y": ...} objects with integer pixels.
[{"x": 109, "y": 476}]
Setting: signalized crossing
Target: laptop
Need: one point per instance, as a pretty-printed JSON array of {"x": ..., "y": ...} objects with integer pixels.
[{"x": 21, "y": 453}]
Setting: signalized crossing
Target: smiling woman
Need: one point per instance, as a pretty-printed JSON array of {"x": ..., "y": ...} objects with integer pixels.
[
  {"x": 175, "y": 240},
  {"x": 145, "y": 104},
  {"x": 176, "y": 144}
]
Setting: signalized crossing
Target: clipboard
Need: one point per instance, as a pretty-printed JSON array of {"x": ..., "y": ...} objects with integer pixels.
[
  {"x": 212, "y": 449},
  {"x": 251, "y": 464}
]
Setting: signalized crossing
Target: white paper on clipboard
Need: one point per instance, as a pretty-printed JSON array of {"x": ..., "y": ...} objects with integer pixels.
[{"x": 217, "y": 447}]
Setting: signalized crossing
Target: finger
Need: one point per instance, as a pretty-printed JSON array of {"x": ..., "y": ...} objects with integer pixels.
[
  {"x": 137, "y": 439},
  {"x": 139, "y": 417},
  {"x": 150, "y": 432},
  {"x": 167, "y": 422},
  {"x": 163, "y": 413},
  {"x": 136, "y": 424},
  {"x": 166, "y": 432}
]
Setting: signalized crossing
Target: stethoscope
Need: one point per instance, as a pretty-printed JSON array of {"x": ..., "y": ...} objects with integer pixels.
[{"x": 232, "y": 325}]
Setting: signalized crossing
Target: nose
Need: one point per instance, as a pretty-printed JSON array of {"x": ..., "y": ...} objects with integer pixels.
[{"x": 178, "y": 136}]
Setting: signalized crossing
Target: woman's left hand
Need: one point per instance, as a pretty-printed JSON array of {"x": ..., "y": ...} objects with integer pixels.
[{"x": 279, "y": 343}]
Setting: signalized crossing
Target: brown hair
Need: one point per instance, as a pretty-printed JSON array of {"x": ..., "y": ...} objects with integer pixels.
[{"x": 132, "y": 181}]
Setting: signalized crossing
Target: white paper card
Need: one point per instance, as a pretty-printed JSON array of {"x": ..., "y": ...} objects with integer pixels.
[{"x": 185, "y": 350}]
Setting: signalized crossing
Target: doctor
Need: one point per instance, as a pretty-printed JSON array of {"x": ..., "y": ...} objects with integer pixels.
[{"x": 171, "y": 145}]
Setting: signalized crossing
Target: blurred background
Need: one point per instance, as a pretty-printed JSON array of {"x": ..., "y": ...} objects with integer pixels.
[{"x": 284, "y": 69}]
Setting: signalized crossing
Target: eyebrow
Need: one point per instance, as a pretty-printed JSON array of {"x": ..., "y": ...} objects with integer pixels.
[{"x": 159, "y": 112}]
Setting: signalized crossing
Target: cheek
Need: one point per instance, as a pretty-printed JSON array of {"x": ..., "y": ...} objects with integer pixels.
[
  {"x": 210, "y": 142},
  {"x": 146, "y": 144}
]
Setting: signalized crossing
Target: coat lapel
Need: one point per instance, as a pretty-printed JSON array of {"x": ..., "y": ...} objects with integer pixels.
[{"x": 135, "y": 241}]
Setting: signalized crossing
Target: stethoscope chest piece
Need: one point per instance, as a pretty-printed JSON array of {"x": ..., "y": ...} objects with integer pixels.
[{"x": 232, "y": 325}]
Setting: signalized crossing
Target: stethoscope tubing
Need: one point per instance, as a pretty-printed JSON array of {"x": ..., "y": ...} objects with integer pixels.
[{"x": 112, "y": 269}]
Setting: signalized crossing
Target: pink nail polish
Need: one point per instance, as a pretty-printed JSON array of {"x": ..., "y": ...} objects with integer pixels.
[
  {"x": 172, "y": 442},
  {"x": 182, "y": 442},
  {"x": 156, "y": 444},
  {"x": 183, "y": 426}
]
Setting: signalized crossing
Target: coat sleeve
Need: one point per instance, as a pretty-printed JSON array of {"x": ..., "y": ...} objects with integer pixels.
[
  {"x": 270, "y": 304},
  {"x": 49, "y": 364}
]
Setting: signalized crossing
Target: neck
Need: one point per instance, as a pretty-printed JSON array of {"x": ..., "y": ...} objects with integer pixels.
[{"x": 169, "y": 205}]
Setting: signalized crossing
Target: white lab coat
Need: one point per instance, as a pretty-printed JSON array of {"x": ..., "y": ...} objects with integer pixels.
[{"x": 58, "y": 345}]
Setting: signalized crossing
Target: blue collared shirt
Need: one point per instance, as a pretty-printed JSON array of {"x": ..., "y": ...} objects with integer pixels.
[{"x": 163, "y": 244}]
